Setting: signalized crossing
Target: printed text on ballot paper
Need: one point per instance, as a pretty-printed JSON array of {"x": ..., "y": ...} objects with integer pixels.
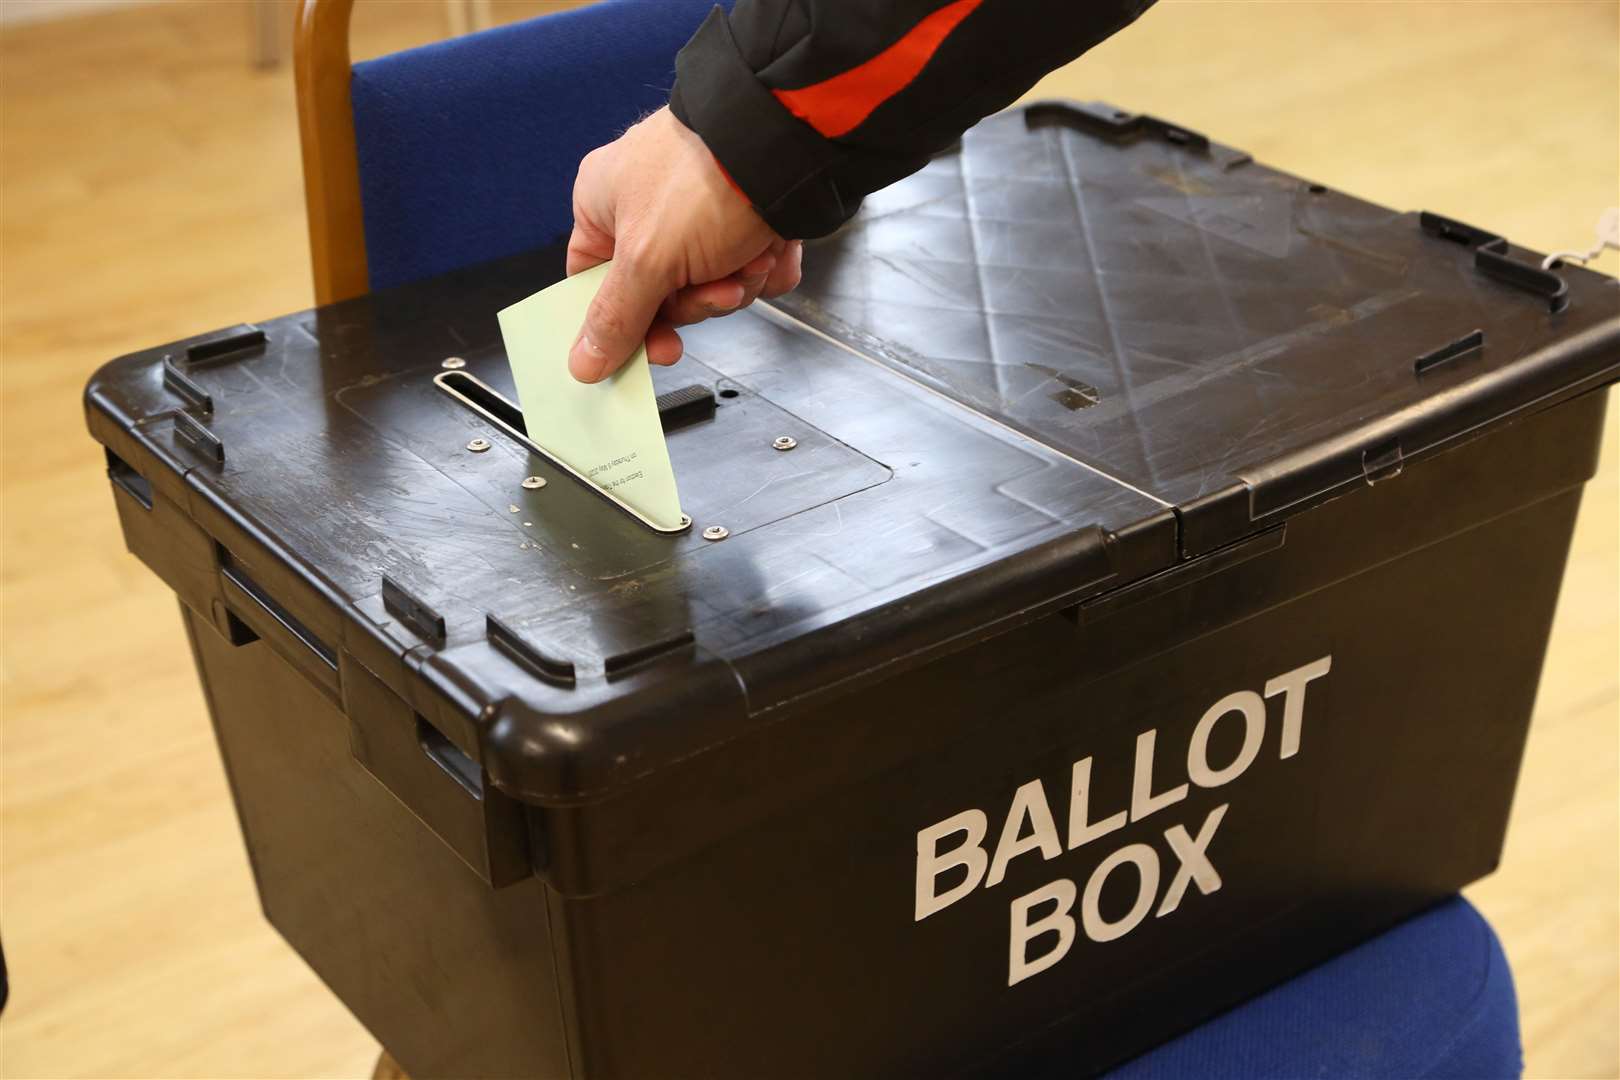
[{"x": 1044, "y": 923}]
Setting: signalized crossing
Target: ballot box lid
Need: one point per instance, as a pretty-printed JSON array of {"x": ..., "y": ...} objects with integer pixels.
[
  {"x": 1227, "y": 338},
  {"x": 1078, "y": 349}
]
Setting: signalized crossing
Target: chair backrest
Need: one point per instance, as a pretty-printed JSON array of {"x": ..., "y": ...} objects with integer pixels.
[{"x": 465, "y": 150}]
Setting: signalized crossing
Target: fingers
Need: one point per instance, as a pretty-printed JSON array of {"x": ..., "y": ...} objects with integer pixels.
[
  {"x": 626, "y": 311},
  {"x": 587, "y": 245},
  {"x": 698, "y": 302},
  {"x": 592, "y": 239},
  {"x": 663, "y": 344},
  {"x": 657, "y": 206},
  {"x": 752, "y": 276},
  {"x": 617, "y": 321},
  {"x": 715, "y": 298},
  {"x": 582, "y": 254},
  {"x": 784, "y": 276}
]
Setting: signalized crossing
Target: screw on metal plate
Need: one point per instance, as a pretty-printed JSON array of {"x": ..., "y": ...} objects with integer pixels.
[
  {"x": 478, "y": 446},
  {"x": 453, "y": 363},
  {"x": 534, "y": 483},
  {"x": 784, "y": 442},
  {"x": 716, "y": 532}
]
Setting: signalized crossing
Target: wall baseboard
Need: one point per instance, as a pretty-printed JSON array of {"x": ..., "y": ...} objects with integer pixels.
[{"x": 18, "y": 12}]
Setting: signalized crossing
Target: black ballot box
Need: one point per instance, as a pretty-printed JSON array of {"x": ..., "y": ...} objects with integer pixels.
[{"x": 1118, "y": 581}]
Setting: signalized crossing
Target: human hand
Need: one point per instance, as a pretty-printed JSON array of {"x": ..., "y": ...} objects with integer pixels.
[{"x": 685, "y": 245}]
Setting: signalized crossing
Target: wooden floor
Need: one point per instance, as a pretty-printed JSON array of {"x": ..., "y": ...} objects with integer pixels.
[{"x": 151, "y": 191}]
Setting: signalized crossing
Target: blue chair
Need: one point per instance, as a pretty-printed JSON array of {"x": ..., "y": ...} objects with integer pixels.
[
  {"x": 1431, "y": 999},
  {"x": 464, "y": 151}
]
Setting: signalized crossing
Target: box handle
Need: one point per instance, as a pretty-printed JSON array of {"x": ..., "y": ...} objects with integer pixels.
[
  {"x": 269, "y": 619},
  {"x": 121, "y": 473},
  {"x": 441, "y": 783},
  {"x": 451, "y": 758}
]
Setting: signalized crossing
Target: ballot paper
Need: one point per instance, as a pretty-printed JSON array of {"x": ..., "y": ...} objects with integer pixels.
[{"x": 607, "y": 433}]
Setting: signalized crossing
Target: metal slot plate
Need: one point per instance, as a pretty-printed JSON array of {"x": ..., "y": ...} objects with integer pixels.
[
  {"x": 727, "y": 468},
  {"x": 447, "y": 381}
]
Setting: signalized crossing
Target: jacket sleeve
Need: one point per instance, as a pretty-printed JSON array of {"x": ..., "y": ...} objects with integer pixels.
[{"x": 811, "y": 104}]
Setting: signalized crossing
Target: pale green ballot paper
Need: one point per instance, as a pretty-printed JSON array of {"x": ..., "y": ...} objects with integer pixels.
[{"x": 608, "y": 433}]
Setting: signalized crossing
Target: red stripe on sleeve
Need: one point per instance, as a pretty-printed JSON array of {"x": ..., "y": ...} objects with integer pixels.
[{"x": 838, "y": 105}]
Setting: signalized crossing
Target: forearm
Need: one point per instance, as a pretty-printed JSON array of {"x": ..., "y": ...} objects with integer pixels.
[{"x": 811, "y": 104}]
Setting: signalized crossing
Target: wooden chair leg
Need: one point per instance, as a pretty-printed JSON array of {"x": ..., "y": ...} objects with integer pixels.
[
  {"x": 458, "y": 17},
  {"x": 388, "y": 1069},
  {"x": 266, "y": 16}
]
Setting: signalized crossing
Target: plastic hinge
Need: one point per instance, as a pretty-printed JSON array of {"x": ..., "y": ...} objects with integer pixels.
[
  {"x": 179, "y": 383},
  {"x": 547, "y": 669},
  {"x": 225, "y": 345},
  {"x": 1493, "y": 259},
  {"x": 189, "y": 431},
  {"x": 423, "y": 620},
  {"x": 1098, "y": 118},
  {"x": 1174, "y": 577},
  {"x": 1468, "y": 343},
  {"x": 1381, "y": 462},
  {"x": 623, "y": 663}
]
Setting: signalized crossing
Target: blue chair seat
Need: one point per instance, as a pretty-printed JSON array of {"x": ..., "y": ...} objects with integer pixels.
[
  {"x": 1431, "y": 999},
  {"x": 468, "y": 147}
]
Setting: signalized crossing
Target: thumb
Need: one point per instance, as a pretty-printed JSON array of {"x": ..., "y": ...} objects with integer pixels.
[{"x": 617, "y": 321}]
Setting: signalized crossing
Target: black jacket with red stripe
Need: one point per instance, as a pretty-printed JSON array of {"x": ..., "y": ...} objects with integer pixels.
[{"x": 811, "y": 104}]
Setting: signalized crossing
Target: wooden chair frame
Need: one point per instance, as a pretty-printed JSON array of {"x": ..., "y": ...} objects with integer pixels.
[
  {"x": 321, "y": 74},
  {"x": 337, "y": 231}
]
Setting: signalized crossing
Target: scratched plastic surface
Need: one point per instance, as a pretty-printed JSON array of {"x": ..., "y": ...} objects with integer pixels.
[
  {"x": 1174, "y": 315},
  {"x": 899, "y": 518},
  {"x": 885, "y": 492},
  {"x": 1044, "y": 367}
]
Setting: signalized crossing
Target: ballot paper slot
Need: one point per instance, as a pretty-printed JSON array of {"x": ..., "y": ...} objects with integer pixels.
[
  {"x": 489, "y": 403},
  {"x": 484, "y": 399},
  {"x": 676, "y": 409}
]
